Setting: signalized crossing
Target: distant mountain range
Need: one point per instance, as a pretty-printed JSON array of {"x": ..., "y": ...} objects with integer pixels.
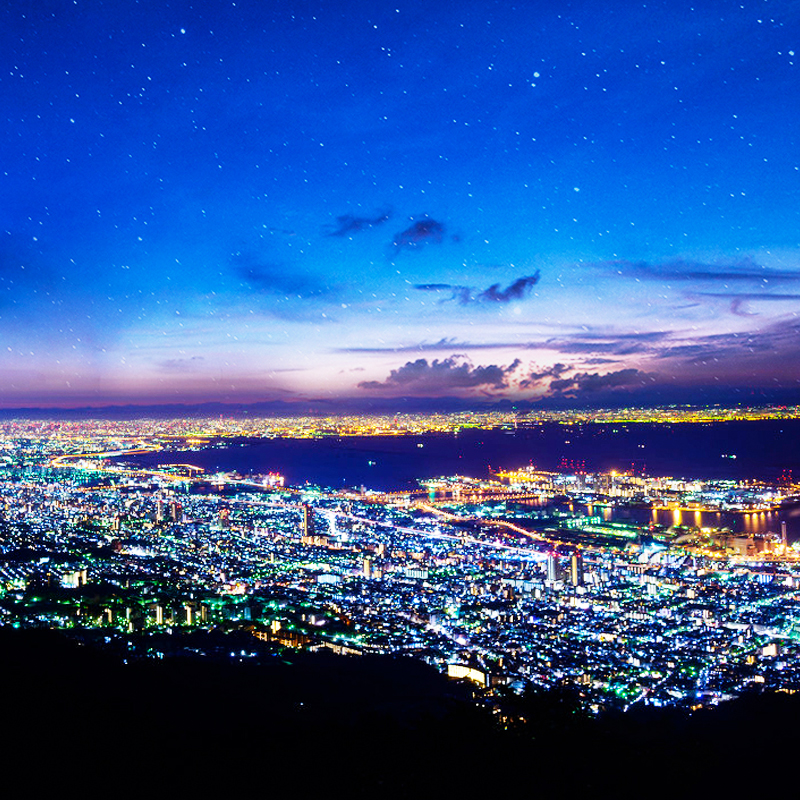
[{"x": 394, "y": 405}]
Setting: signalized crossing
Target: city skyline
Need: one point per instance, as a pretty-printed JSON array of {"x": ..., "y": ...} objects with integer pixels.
[{"x": 315, "y": 204}]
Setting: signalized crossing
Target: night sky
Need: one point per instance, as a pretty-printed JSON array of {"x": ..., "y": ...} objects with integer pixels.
[{"x": 246, "y": 201}]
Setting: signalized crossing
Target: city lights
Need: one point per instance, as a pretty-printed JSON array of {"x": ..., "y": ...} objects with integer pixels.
[{"x": 625, "y": 586}]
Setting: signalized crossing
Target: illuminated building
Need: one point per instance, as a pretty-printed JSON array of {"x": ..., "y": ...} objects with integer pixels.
[
  {"x": 576, "y": 569},
  {"x": 473, "y": 674},
  {"x": 308, "y": 521}
]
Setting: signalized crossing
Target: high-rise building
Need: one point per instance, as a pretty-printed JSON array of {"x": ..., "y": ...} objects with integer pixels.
[
  {"x": 308, "y": 520},
  {"x": 175, "y": 512},
  {"x": 576, "y": 569}
]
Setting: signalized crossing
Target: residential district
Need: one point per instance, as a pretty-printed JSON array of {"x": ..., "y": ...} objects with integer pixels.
[{"x": 525, "y": 579}]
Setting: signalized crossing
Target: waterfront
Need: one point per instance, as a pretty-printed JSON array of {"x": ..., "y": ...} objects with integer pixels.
[
  {"x": 746, "y": 523},
  {"x": 763, "y": 449},
  {"x": 736, "y": 450}
]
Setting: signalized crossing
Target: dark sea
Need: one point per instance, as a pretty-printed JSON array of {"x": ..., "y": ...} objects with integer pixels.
[{"x": 762, "y": 449}]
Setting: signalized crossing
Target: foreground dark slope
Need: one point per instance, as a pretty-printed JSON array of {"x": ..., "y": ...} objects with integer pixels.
[{"x": 362, "y": 726}]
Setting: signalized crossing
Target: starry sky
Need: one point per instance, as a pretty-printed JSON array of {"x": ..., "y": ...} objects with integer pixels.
[{"x": 316, "y": 202}]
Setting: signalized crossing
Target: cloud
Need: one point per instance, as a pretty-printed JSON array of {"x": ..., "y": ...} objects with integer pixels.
[
  {"x": 514, "y": 291},
  {"x": 745, "y": 270},
  {"x": 181, "y": 364},
  {"x": 419, "y": 233},
  {"x": 551, "y": 372},
  {"x": 613, "y": 344},
  {"x": 616, "y": 344},
  {"x": 600, "y": 364},
  {"x": 446, "y": 375},
  {"x": 639, "y": 336},
  {"x": 749, "y": 296},
  {"x": 461, "y": 294},
  {"x": 348, "y": 224},
  {"x": 739, "y": 300},
  {"x": 779, "y": 342},
  {"x": 465, "y": 295},
  {"x": 739, "y": 309},
  {"x": 583, "y": 382},
  {"x": 589, "y": 348},
  {"x": 447, "y": 343}
]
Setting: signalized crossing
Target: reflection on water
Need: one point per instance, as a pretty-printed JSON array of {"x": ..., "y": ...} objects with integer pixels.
[
  {"x": 747, "y": 524},
  {"x": 755, "y": 522}
]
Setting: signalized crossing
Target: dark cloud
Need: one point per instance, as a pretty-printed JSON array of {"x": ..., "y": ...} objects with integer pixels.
[
  {"x": 421, "y": 232},
  {"x": 745, "y": 270},
  {"x": 552, "y": 372},
  {"x": 461, "y": 294},
  {"x": 436, "y": 287},
  {"x": 583, "y": 382},
  {"x": 696, "y": 352},
  {"x": 464, "y": 295},
  {"x": 780, "y": 341},
  {"x": 593, "y": 364},
  {"x": 348, "y": 224},
  {"x": 443, "y": 376},
  {"x": 604, "y": 343},
  {"x": 514, "y": 291},
  {"x": 764, "y": 358}
]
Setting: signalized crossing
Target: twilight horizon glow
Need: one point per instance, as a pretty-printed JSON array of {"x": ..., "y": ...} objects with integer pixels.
[{"x": 325, "y": 202}]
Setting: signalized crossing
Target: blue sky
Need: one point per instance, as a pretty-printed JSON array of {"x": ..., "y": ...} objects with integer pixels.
[{"x": 315, "y": 201}]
